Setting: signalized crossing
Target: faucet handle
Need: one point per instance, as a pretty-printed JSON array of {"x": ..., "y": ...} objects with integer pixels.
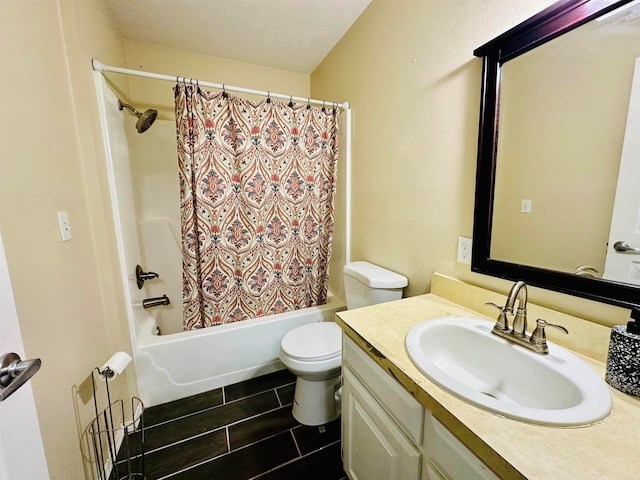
[
  {"x": 502, "y": 323},
  {"x": 538, "y": 337}
]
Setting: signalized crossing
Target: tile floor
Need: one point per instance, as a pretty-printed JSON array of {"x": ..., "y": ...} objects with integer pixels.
[{"x": 241, "y": 431}]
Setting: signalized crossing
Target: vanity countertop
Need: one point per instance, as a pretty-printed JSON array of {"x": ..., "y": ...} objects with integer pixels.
[{"x": 513, "y": 449}]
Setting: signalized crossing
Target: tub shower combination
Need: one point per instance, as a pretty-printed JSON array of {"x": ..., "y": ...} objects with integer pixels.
[{"x": 177, "y": 365}]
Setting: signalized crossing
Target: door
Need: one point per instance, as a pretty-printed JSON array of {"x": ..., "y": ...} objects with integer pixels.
[
  {"x": 623, "y": 263},
  {"x": 21, "y": 450},
  {"x": 374, "y": 447}
]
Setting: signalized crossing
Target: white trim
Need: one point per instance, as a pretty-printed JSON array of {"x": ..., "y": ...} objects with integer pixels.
[
  {"x": 100, "y": 90},
  {"x": 347, "y": 179}
]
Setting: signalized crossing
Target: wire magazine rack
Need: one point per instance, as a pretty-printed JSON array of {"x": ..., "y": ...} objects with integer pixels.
[{"x": 118, "y": 438}]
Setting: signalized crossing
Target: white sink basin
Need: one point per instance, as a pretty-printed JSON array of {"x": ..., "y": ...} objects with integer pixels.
[{"x": 462, "y": 356}]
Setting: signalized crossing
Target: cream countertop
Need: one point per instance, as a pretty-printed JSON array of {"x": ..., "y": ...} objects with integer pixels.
[{"x": 513, "y": 449}]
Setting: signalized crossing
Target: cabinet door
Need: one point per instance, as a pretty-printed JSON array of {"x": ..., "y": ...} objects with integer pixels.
[
  {"x": 446, "y": 457},
  {"x": 374, "y": 447}
]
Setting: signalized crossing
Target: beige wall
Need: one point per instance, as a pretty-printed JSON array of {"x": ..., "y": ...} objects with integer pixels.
[
  {"x": 156, "y": 94},
  {"x": 408, "y": 70},
  {"x": 51, "y": 159}
]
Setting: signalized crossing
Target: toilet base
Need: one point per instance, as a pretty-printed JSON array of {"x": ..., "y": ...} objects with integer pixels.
[{"x": 314, "y": 402}]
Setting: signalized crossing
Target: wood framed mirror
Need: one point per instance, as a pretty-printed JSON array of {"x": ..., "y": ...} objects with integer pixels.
[{"x": 541, "y": 214}]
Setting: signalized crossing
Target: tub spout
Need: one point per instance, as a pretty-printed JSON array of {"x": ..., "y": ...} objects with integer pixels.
[{"x": 155, "y": 301}]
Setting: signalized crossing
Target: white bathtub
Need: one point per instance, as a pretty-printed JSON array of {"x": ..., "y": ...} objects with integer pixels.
[{"x": 175, "y": 366}]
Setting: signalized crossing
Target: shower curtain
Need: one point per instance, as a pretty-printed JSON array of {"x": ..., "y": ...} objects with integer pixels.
[{"x": 257, "y": 186}]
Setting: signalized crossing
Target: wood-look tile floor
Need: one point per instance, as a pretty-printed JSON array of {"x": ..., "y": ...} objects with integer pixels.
[{"x": 239, "y": 432}]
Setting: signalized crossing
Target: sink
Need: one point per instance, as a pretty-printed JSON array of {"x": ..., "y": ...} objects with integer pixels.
[{"x": 462, "y": 356}]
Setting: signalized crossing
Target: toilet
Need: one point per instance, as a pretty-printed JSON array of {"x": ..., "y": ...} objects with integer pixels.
[{"x": 313, "y": 352}]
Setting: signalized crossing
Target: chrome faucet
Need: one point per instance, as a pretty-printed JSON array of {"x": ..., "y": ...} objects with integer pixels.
[
  {"x": 518, "y": 334},
  {"x": 519, "y": 292}
]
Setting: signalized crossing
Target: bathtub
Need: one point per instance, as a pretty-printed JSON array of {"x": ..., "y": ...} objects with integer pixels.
[{"x": 170, "y": 367}]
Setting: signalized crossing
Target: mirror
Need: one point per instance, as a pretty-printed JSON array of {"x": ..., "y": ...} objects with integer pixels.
[{"x": 556, "y": 93}]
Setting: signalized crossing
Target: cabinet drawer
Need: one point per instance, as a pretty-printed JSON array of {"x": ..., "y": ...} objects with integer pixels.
[{"x": 405, "y": 410}]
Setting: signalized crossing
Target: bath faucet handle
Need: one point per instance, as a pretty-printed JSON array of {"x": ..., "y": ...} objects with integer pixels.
[
  {"x": 538, "y": 337},
  {"x": 502, "y": 323},
  {"x": 142, "y": 276}
]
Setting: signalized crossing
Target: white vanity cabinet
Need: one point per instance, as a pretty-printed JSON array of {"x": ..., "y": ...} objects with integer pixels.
[
  {"x": 387, "y": 434},
  {"x": 377, "y": 447}
]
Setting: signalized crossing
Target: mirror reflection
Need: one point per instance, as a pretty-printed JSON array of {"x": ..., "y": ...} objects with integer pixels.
[{"x": 568, "y": 146}]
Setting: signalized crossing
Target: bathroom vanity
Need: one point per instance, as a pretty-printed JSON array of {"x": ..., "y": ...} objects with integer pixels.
[
  {"x": 396, "y": 423},
  {"x": 388, "y": 433}
]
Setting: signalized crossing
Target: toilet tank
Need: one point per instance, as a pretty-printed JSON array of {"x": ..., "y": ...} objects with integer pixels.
[{"x": 368, "y": 284}]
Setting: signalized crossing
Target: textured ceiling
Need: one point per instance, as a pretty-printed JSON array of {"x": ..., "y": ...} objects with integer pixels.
[{"x": 287, "y": 34}]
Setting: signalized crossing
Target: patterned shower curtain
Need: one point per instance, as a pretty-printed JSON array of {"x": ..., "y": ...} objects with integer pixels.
[{"x": 257, "y": 186}]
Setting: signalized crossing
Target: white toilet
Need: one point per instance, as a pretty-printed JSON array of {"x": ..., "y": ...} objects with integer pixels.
[{"x": 314, "y": 352}]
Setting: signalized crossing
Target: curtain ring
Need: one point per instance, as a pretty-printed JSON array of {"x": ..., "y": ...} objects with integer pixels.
[
  {"x": 290, "y": 101},
  {"x": 268, "y": 97},
  {"x": 224, "y": 92},
  {"x": 308, "y": 103},
  {"x": 323, "y": 109}
]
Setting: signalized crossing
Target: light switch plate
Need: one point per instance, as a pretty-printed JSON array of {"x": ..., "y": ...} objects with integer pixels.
[{"x": 65, "y": 226}]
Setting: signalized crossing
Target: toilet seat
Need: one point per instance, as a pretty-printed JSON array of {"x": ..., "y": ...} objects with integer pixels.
[{"x": 313, "y": 342}]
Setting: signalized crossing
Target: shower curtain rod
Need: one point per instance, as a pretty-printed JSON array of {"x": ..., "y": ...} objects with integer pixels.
[{"x": 100, "y": 67}]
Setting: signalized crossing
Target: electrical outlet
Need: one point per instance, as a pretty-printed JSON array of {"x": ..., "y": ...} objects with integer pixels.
[
  {"x": 65, "y": 226},
  {"x": 464, "y": 250}
]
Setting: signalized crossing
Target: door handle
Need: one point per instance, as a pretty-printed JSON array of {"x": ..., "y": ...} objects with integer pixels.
[
  {"x": 624, "y": 247},
  {"x": 15, "y": 372}
]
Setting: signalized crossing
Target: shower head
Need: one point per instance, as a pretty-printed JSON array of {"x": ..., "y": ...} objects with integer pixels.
[{"x": 145, "y": 120}]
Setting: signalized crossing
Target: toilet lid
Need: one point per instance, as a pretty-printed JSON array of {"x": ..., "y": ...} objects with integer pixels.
[{"x": 316, "y": 341}]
